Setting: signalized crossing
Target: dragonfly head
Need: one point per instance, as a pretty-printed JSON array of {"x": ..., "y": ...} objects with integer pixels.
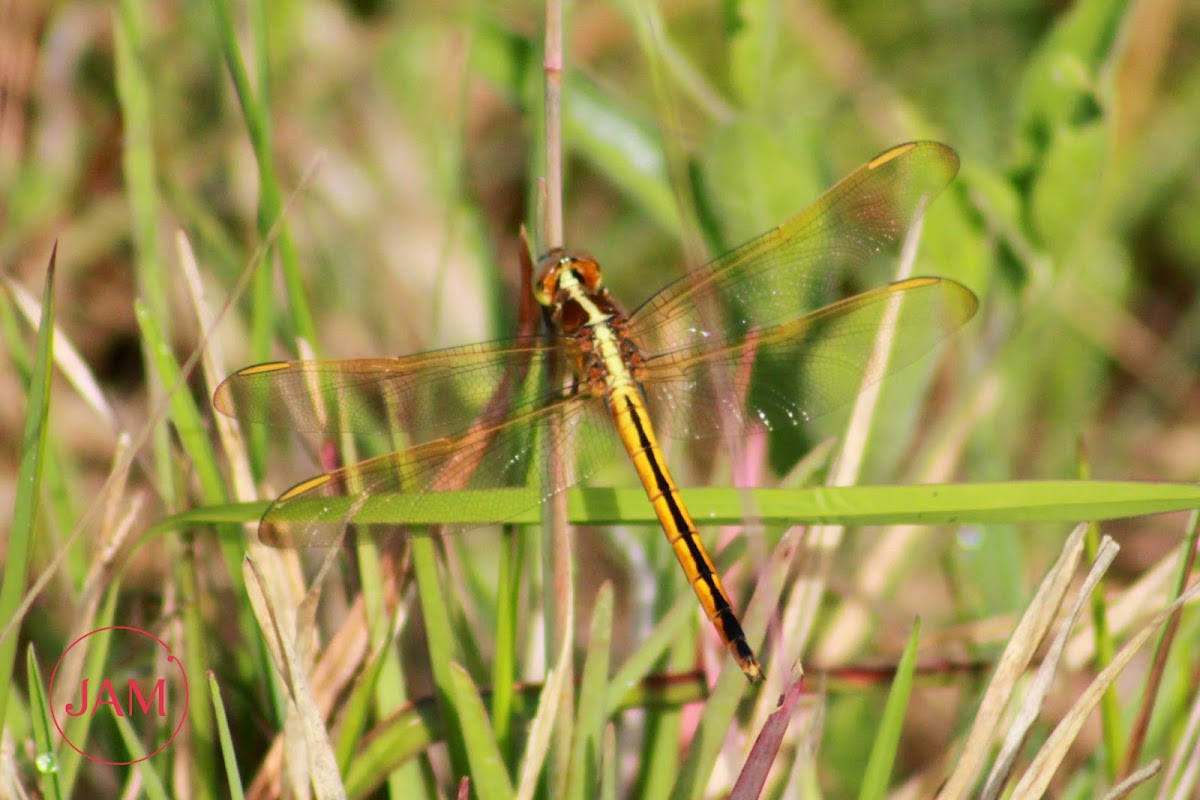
[{"x": 561, "y": 272}]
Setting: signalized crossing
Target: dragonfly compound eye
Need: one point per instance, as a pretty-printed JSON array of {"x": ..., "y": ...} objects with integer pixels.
[
  {"x": 586, "y": 270},
  {"x": 549, "y": 268}
]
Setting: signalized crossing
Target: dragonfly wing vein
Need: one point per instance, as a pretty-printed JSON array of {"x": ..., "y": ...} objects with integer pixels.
[
  {"x": 807, "y": 367},
  {"x": 424, "y": 397},
  {"x": 488, "y": 475}
]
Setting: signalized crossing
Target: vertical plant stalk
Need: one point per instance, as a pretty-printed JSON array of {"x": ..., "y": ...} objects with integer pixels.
[
  {"x": 1162, "y": 649},
  {"x": 557, "y": 556},
  {"x": 552, "y": 68}
]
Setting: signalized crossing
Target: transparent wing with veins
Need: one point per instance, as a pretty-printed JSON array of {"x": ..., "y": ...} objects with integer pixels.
[
  {"x": 474, "y": 418},
  {"x": 747, "y": 304}
]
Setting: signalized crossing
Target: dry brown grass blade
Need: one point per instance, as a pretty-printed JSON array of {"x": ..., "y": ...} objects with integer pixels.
[
  {"x": 1039, "y": 688},
  {"x": 1150, "y": 590},
  {"x": 284, "y": 644},
  {"x": 67, "y": 358},
  {"x": 339, "y": 664},
  {"x": 1024, "y": 642},
  {"x": 1134, "y": 780},
  {"x": 1037, "y": 778}
]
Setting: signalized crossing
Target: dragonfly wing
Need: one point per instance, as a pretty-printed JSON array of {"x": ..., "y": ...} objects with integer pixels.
[
  {"x": 805, "y": 263},
  {"x": 414, "y": 486},
  {"x": 425, "y": 397},
  {"x": 798, "y": 370}
]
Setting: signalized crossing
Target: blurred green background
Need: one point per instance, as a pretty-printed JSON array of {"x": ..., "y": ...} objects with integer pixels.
[{"x": 404, "y": 142}]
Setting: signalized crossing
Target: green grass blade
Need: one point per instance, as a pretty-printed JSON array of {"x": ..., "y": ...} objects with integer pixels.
[
  {"x": 504, "y": 660},
  {"x": 225, "y": 736},
  {"x": 583, "y": 776},
  {"x": 43, "y": 728},
  {"x": 270, "y": 195},
  {"x": 194, "y": 435},
  {"x": 29, "y": 479},
  {"x": 381, "y": 688},
  {"x": 1110, "y": 705},
  {"x": 753, "y": 42},
  {"x": 702, "y": 753},
  {"x": 152, "y": 782},
  {"x": 137, "y": 157},
  {"x": 489, "y": 777},
  {"x": 609, "y": 783},
  {"x": 357, "y": 712},
  {"x": 649, "y": 650},
  {"x": 891, "y": 725},
  {"x": 141, "y": 180},
  {"x": 439, "y": 634},
  {"x": 78, "y": 728},
  {"x": 928, "y": 504},
  {"x": 185, "y": 417},
  {"x": 380, "y": 691},
  {"x": 396, "y": 741},
  {"x": 658, "y": 757}
]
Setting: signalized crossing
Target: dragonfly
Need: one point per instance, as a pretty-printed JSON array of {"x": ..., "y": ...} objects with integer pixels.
[{"x": 492, "y": 416}]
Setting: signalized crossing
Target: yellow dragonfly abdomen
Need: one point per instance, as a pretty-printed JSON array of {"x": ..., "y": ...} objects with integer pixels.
[{"x": 579, "y": 306}]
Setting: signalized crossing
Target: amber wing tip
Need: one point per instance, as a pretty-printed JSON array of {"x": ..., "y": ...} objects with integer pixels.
[{"x": 275, "y": 535}]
